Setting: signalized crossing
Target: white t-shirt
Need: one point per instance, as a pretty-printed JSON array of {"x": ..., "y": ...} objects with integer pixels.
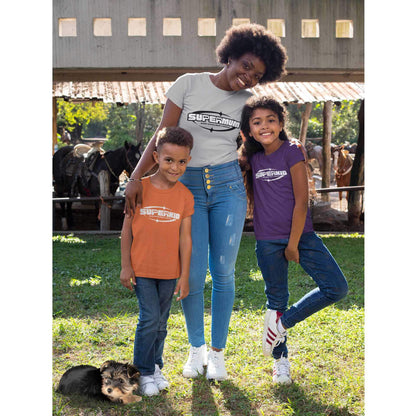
[{"x": 211, "y": 115}]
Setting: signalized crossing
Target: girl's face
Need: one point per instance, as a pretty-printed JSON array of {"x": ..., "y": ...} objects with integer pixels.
[
  {"x": 265, "y": 128},
  {"x": 244, "y": 72}
]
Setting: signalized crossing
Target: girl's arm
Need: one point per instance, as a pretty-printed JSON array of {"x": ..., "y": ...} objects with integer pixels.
[
  {"x": 127, "y": 276},
  {"x": 300, "y": 191},
  {"x": 185, "y": 251},
  {"x": 170, "y": 118}
]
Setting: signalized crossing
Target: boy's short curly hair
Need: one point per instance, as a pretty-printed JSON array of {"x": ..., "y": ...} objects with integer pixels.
[
  {"x": 255, "y": 39},
  {"x": 174, "y": 135}
]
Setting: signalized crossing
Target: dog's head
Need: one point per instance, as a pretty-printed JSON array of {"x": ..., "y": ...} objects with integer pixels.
[{"x": 119, "y": 380}]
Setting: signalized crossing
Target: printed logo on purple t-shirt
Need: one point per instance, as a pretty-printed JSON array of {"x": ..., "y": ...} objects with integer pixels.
[{"x": 270, "y": 174}]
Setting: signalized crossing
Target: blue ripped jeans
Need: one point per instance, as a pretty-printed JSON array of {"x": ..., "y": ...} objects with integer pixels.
[
  {"x": 217, "y": 225},
  {"x": 317, "y": 261}
]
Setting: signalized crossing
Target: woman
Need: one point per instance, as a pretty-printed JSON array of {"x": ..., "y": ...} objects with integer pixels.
[{"x": 209, "y": 106}]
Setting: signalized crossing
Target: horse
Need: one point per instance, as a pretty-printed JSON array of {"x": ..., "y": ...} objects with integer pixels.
[
  {"x": 343, "y": 162},
  {"x": 314, "y": 151},
  {"x": 76, "y": 174}
]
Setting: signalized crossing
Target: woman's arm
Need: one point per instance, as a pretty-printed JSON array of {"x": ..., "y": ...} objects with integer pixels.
[
  {"x": 185, "y": 251},
  {"x": 170, "y": 118},
  {"x": 300, "y": 191}
]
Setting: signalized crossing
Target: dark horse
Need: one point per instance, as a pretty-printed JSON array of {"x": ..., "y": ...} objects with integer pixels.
[{"x": 78, "y": 176}]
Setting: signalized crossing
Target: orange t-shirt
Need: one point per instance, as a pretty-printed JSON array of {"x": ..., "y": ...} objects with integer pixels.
[{"x": 155, "y": 228}]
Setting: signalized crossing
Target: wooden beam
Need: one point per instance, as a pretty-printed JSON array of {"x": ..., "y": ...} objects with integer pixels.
[
  {"x": 357, "y": 174},
  {"x": 304, "y": 123},
  {"x": 326, "y": 146},
  {"x": 105, "y": 210}
]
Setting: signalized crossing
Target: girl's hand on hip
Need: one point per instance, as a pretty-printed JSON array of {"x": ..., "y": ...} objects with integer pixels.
[{"x": 292, "y": 254}]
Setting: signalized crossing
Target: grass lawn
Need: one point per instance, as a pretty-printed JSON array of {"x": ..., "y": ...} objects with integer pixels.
[{"x": 95, "y": 319}]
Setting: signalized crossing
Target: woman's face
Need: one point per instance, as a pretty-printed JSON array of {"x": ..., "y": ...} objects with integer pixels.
[{"x": 244, "y": 72}]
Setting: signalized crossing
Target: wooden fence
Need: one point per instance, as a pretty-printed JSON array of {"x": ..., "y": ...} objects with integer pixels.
[{"x": 105, "y": 210}]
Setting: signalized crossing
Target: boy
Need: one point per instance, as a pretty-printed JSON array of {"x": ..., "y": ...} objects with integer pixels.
[{"x": 156, "y": 248}]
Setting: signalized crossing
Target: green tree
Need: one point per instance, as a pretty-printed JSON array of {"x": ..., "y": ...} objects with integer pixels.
[
  {"x": 121, "y": 124},
  {"x": 344, "y": 121},
  {"x": 76, "y": 117}
]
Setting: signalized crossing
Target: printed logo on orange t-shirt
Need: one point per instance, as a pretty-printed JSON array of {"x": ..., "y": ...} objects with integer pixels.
[{"x": 159, "y": 214}]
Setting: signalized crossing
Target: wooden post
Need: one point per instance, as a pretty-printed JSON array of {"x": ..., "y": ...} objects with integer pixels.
[
  {"x": 140, "y": 110},
  {"x": 326, "y": 147},
  {"x": 105, "y": 210},
  {"x": 304, "y": 123},
  {"x": 357, "y": 173}
]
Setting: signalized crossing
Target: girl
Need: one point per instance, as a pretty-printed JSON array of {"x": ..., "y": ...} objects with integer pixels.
[
  {"x": 209, "y": 106},
  {"x": 276, "y": 181}
]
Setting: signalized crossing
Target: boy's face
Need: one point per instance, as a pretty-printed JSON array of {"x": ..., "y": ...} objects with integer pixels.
[{"x": 172, "y": 160}]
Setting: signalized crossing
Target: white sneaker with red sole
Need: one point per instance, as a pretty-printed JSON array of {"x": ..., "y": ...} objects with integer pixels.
[{"x": 271, "y": 335}]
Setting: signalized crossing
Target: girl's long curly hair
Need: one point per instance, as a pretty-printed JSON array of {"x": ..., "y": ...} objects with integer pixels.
[
  {"x": 255, "y": 39},
  {"x": 250, "y": 146}
]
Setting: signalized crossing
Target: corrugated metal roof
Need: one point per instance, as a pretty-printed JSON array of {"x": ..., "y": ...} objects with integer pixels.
[{"x": 154, "y": 92}]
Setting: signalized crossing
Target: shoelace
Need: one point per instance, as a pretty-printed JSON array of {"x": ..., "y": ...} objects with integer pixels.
[
  {"x": 282, "y": 367},
  {"x": 215, "y": 360},
  {"x": 193, "y": 352},
  {"x": 275, "y": 338}
]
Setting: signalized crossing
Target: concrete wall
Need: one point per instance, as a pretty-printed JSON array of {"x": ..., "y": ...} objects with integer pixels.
[{"x": 158, "y": 57}]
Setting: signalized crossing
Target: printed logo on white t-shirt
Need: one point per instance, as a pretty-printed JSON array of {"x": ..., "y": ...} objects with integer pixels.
[
  {"x": 159, "y": 214},
  {"x": 213, "y": 121},
  {"x": 269, "y": 174}
]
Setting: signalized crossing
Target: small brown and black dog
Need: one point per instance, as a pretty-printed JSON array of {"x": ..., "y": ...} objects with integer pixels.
[{"x": 112, "y": 381}]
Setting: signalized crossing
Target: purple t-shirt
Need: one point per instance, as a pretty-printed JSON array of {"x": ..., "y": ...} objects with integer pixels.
[{"x": 273, "y": 192}]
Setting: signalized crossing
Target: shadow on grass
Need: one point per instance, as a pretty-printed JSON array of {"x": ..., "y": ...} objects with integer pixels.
[
  {"x": 235, "y": 400},
  {"x": 301, "y": 403},
  {"x": 157, "y": 405}
]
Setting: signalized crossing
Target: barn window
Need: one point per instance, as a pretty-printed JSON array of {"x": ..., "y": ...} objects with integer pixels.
[
  {"x": 172, "y": 26},
  {"x": 67, "y": 27},
  {"x": 102, "y": 26},
  {"x": 136, "y": 26},
  {"x": 277, "y": 26},
  {"x": 207, "y": 27},
  {"x": 310, "y": 28},
  {"x": 344, "y": 29},
  {"x": 242, "y": 21}
]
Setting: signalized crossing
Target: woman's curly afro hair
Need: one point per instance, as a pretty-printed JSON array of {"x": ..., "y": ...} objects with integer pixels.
[{"x": 255, "y": 39}]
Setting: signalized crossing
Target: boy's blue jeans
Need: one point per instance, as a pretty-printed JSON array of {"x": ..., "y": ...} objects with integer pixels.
[
  {"x": 317, "y": 261},
  {"x": 155, "y": 298},
  {"x": 217, "y": 225}
]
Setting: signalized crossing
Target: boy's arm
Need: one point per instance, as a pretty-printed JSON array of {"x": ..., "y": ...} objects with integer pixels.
[
  {"x": 185, "y": 251},
  {"x": 170, "y": 117},
  {"x": 127, "y": 277},
  {"x": 300, "y": 191}
]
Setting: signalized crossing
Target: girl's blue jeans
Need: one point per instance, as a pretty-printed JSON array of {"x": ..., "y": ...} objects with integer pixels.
[
  {"x": 217, "y": 225},
  {"x": 154, "y": 297},
  {"x": 317, "y": 261}
]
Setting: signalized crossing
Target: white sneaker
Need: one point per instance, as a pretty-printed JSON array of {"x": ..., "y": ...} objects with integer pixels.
[
  {"x": 161, "y": 382},
  {"x": 281, "y": 371},
  {"x": 148, "y": 386},
  {"x": 216, "y": 365},
  {"x": 196, "y": 360},
  {"x": 271, "y": 335}
]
